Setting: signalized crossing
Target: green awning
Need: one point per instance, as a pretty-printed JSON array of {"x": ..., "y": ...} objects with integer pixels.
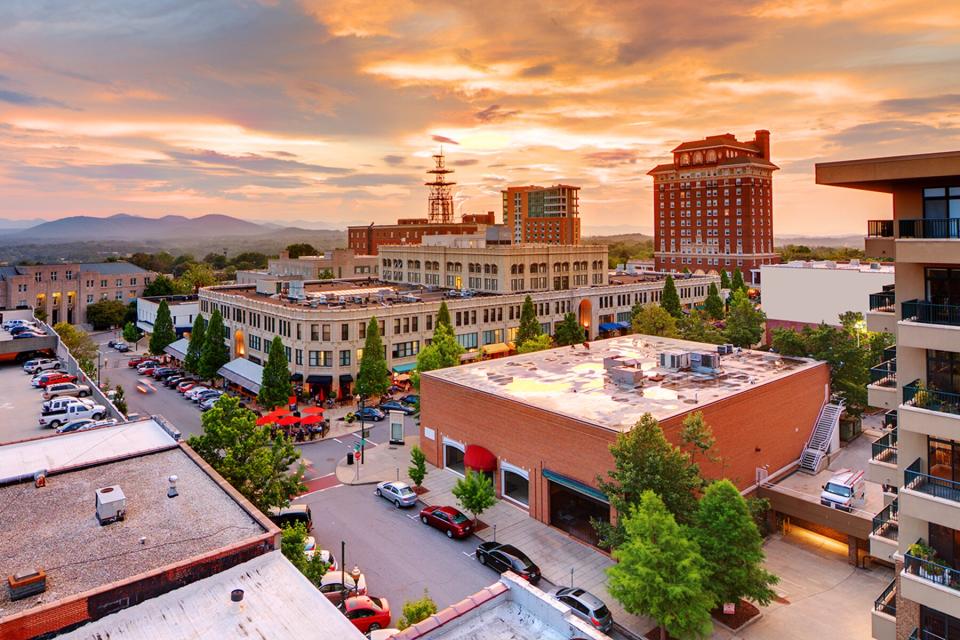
[
  {"x": 405, "y": 368},
  {"x": 576, "y": 485}
]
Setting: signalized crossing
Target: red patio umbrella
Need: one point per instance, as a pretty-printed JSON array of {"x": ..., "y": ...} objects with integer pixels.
[
  {"x": 309, "y": 411},
  {"x": 267, "y": 419},
  {"x": 277, "y": 413},
  {"x": 313, "y": 419},
  {"x": 288, "y": 421}
]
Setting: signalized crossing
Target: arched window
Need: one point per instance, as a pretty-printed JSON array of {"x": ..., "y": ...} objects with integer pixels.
[
  {"x": 513, "y": 269},
  {"x": 711, "y": 156},
  {"x": 697, "y": 158},
  {"x": 493, "y": 269}
]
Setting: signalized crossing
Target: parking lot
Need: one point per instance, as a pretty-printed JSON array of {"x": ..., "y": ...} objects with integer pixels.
[{"x": 19, "y": 405}]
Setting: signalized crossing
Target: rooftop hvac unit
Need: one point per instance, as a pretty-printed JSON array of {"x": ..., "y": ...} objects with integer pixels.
[
  {"x": 626, "y": 377},
  {"x": 610, "y": 362},
  {"x": 725, "y": 349},
  {"x": 27, "y": 583},
  {"x": 296, "y": 290},
  {"x": 675, "y": 360},
  {"x": 705, "y": 361},
  {"x": 111, "y": 504}
]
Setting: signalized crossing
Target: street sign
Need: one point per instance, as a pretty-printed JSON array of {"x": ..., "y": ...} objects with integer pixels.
[{"x": 356, "y": 455}]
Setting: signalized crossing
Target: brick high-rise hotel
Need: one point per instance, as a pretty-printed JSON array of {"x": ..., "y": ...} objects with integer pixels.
[{"x": 713, "y": 206}]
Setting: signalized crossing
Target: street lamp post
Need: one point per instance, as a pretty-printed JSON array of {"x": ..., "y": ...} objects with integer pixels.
[
  {"x": 98, "y": 366},
  {"x": 363, "y": 433}
]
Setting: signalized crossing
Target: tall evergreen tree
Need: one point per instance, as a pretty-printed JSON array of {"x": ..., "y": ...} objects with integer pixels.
[
  {"x": 744, "y": 321},
  {"x": 670, "y": 299},
  {"x": 724, "y": 279},
  {"x": 713, "y": 305},
  {"x": 163, "y": 333},
  {"x": 569, "y": 331},
  {"x": 443, "y": 317},
  {"x": 191, "y": 361},
  {"x": 373, "y": 379},
  {"x": 275, "y": 388},
  {"x": 644, "y": 460},
  {"x": 529, "y": 324},
  {"x": 660, "y": 573},
  {"x": 737, "y": 283},
  {"x": 214, "y": 353},
  {"x": 732, "y": 547}
]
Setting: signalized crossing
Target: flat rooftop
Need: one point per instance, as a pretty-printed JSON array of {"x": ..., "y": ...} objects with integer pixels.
[
  {"x": 573, "y": 381},
  {"x": 55, "y": 527},
  {"x": 826, "y": 265},
  {"x": 357, "y": 294},
  {"x": 203, "y": 609}
]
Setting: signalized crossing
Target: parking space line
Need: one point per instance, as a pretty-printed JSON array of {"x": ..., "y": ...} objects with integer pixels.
[
  {"x": 413, "y": 516},
  {"x": 469, "y": 555},
  {"x": 337, "y": 440}
]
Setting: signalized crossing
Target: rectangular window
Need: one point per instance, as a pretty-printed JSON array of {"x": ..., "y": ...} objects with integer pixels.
[
  {"x": 467, "y": 340},
  {"x": 345, "y": 358},
  {"x": 315, "y": 332},
  {"x": 326, "y": 333},
  {"x": 313, "y": 359},
  {"x": 299, "y": 356},
  {"x": 345, "y": 331},
  {"x": 406, "y": 349}
]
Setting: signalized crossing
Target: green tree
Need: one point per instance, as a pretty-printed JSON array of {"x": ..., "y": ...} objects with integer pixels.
[
  {"x": 724, "y": 279},
  {"x": 744, "y": 321},
  {"x": 415, "y": 611},
  {"x": 475, "y": 493},
  {"x": 652, "y": 320},
  {"x": 737, "y": 284},
  {"x": 443, "y": 316},
  {"x": 40, "y": 314},
  {"x": 80, "y": 345},
  {"x": 214, "y": 353},
  {"x": 301, "y": 249},
  {"x": 257, "y": 463},
  {"x": 373, "y": 379},
  {"x": 249, "y": 260},
  {"x": 160, "y": 286},
  {"x": 120, "y": 399},
  {"x": 216, "y": 260},
  {"x": 275, "y": 388},
  {"x": 713, "y": 305},
  {"x": 326, "y": 274},
  {"x": 194, "y": 277},
  {"x": 418, "y": 466},
  {"x": 569, "y": 331},
  {"x": 529, "y": 324},
  {"x": 788, "y": 342},
  {"x": 130, "y": 332},
  {"x": 442, "y": 352},
  {"x": 670, "y": 299},
  {"x": 660, "y": 573},
  {"x": 541, "y": 342},
  {"x": 191, "y": 361},
  {"x": 293, "y": 547},
  {"x": 163, "y": 333},
  {"x": 695, "y": 326},
  {"x": 698, "y": 435},
  {"x": 106, "y": 314},
  {"x": 130, "y": 315},
  {"x": 731, "y": 547},
  {"x": 644, "y": 460}
]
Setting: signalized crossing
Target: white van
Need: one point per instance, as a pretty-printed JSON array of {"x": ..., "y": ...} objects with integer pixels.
[{"x": 844, "y": 491}]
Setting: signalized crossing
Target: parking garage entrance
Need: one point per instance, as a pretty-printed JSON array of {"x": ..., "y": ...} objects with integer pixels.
[{"x": 574, "y": 504}]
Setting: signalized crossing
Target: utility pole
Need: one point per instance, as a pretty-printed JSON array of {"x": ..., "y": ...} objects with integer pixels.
[{"x": 363, "y": 433}]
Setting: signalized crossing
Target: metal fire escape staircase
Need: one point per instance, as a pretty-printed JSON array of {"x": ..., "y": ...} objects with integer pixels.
[{"x": 811, "y": 460}]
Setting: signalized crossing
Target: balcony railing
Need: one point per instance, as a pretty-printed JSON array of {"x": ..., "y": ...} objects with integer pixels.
[
  {"x": 915, "y": 480},
  {"x": 917, "y": 396},
  {"x": 890, "y": 419},
  {"x": 929, "y": 313},
  {"x": 886, "y": 524},
  {"x": 890, "y": 352},
  {"x": 933, "y": 571},
  {"x": 921, "y": 634},
  {"x": 884, "y": 374},
  {"x": 883, "y": 301},
  {"x": 885, "y": 449},
  {"x": 887, "y": 602},
  {"x": 929, "y": 228},
  {"x": 880, "y": 228}
]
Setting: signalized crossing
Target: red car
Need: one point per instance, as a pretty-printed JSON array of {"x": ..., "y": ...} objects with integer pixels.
[
  {"x": 57, "y": 379},
  {"x": 448, "y": 520},
  {"x": 367, "y": 613},
  {"x": 147, "y": 370},
  {"x": 183, "y": 387},
  {"x": 136, "y": 362}
]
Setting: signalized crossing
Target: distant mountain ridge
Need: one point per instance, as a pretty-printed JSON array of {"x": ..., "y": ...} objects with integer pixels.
[{"x": 124, "y": 226}]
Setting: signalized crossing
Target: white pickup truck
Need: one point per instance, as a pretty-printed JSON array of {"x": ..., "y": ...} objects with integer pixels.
[{"x": 73, "y": 411}]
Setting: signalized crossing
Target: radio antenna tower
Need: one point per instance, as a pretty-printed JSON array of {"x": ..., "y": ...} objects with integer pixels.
[{"x": 441, "y": 199}]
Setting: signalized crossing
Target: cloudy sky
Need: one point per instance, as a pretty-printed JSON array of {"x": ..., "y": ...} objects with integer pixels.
[{"x": 328, "y": 110}]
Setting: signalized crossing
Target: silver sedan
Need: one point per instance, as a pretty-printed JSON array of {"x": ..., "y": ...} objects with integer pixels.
[{"x": 399, "y": 493}]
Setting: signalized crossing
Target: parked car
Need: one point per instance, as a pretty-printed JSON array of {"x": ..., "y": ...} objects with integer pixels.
[
  {"x": 310, "y": 549},
  {"x": 164, "y": 372},
  {"x": 334, "y": 584},
  {"x": 370, "y": 414},
  {"x": 505, "y": 557},
  {"x": 447, "y": 519},
  {"x": 23, "y": 328},
  {"x": 17, "y": 322},
  {"x": 411, "y": 399},
  {"x": 122, "y": 347},
  {"x": 395, "y": 405},
  {"x": 40, "y": 364},
  {"x": 52, "y": 377},
  {"x": 136, "y": 362},
  {"x": 367, "y": 613},
  {"x": 209, "y": 393},
  {"x": 73, "y": 412},
  {"x": 186, "y": 385},
  {"x": 147, "y": 369},
  {"x": 399, "y": 493},
  {"x": 66, "y": 389},
  {"x": 291, "y": 515},
  {"x": 29, "y": 334},
  {"x": 51, "y": 406},
  {"x": 192, "y": 393},
  {"x": 176, "y": 379},
  {"x": 207, "y": 403},
  {"x": 83, "y": 424},
  {"x": 587, "y": 606}
]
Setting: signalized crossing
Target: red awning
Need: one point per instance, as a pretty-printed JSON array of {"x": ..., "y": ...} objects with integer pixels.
[{"x": 479, "y": 459}]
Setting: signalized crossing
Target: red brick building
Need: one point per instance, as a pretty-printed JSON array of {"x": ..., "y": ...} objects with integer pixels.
[
  {"x": 713, "y": 206},
  {"x": 541, "y": 424},
  {"x": 542, "y": 215},
  {"x": 366, "y": 240}
]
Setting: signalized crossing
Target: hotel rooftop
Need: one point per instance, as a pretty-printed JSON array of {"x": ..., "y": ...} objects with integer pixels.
[{"x": 614, "y": 382}]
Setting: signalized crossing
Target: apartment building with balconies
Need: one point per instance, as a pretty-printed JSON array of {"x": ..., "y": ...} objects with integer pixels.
[{"x": 919, "y": 528}]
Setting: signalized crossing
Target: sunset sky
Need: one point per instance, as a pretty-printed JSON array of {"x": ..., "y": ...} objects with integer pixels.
[{"x": 328, "y": 110}]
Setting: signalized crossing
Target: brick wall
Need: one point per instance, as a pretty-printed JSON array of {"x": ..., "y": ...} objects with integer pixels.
[{"x": 766, "y": 425}]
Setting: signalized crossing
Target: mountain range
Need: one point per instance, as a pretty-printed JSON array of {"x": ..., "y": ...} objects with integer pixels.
[{"x": 123, "y": 226}]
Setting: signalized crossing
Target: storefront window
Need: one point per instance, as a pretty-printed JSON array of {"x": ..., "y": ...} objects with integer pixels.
[
  {"x": 516, "y": 487},
  {"x": 453, "y": 458}
]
